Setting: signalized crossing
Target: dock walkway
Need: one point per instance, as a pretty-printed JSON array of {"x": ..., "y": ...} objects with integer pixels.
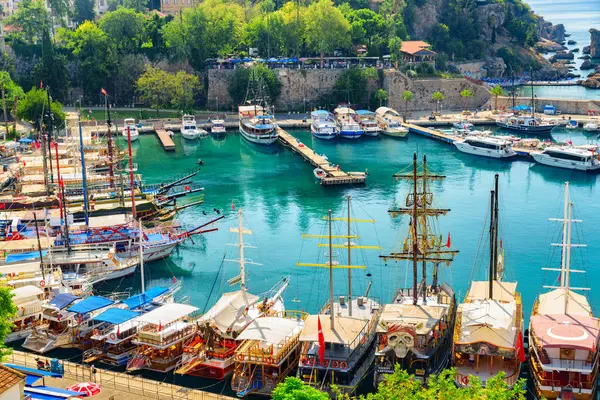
[
  {"x": 334, "y": 175},
  {"x": 165, "y": 140},
  {"x": 432, "y": 133}
]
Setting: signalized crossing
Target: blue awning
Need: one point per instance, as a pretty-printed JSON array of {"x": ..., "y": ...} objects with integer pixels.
[
  {"x": 116, "y": 316},
  {"x": 50, "y": 393},
  {"x": 364, "y": 112},
  {"x": 142, "y": 299},
  {"x": 33, "y": 371},
  {"x": 90, "y": 304},
  {"x": 63, "y": 300},
  {"x": 320, "y": 112},
  {"x": 30, "y": 255},
  {"x": 31, "y": 379}
]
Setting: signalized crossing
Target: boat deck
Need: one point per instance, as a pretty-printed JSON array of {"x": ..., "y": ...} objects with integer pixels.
[
  {"x": 334, "y": 175},
  {"x": 165, "y": 140}
]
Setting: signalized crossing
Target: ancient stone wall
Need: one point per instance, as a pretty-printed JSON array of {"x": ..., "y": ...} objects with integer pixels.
[{"x": 578, "y": 107}]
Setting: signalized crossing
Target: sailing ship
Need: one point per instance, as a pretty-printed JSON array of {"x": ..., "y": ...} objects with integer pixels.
[
  {"x": 563, "y": 333},
  {"x": 368, "y": 122},
  {"x": 339, "y": 352},
  {"x": 488, "y": 334},
  {"x": 257, "y": 124},
  {"x": 415, "y": 329},
  {"x": 210, "y": 353},
  {"x": 390, "y": 122}
]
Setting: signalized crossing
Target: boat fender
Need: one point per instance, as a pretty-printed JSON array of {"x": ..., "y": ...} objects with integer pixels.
[
  {"x": 113, "y": 336},
  {"x": 464, "y": 380},
  {"x": 343, "y": 365}
]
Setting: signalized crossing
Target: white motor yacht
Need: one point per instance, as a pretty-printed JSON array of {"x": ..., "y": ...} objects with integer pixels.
[
  {"x": 130, "y": 128},
  {"x": 568, "y": 157},
  {"x": 486, "y": 146}
]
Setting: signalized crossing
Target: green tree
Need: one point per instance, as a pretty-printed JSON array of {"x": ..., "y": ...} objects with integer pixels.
[
  {"x": 83, "y": 10},
  {"x": 12, "y": 91},
  {"x": 466, "y": 94},
  {"x": 52, "y": 70},
  {"x": 496, "y": 91},
  {"x": 294, "y": 389},
  {"x": 239, "y": 83},
  {"x": 35, "y": 103},
  {"x": 125, "y": 27},
  {"x": 187, "y": 87},
  {"x": 156, "y": 88},
  {"x": 326, "y": 28},
  {"x": 60, "y": 8},
  {"x": 8, "y": 311},
  {"x": 136, "y": 5},
  {"x": 154, "y": 47},
  {"x": 437, "y": 97},
  {"x": 407, "y": 96},
  {"x": 33, "y": 18},
  {"x": 381, "y": 96},
  {"x": 395, "y": 44}
]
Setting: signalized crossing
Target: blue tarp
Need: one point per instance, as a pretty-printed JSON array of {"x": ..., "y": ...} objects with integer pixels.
[
  {"x": 63, "y": 300},
  {"x": 30, "y": 255},
  {"x": 90, "y": 304},
  {"x": 521, "y": 107},
  {"x": 116, "y": 316},
  {"x": 364, "y": 112},
  {"x": 31, "y": 379},
  {"x": 33, "y": 371},
  {"x": 25, "y": 140},
  {"x": 50, "y": 393},
  {"x": 142, "y": 299}
]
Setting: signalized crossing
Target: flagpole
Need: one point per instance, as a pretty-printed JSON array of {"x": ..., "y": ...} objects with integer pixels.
[{"x": 109, "y": 139}]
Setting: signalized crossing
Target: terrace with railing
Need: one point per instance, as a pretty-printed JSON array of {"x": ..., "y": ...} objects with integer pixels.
[
  {"x": 546, "y": 363},
  {"x": 157, "y": 336}
]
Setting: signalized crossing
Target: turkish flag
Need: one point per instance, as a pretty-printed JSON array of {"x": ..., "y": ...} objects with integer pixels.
[
  {"x": 232, "y": 205},
  {"x": 321, "y": 342},
  {"x": 520, "y": 348},
  {"x": 103, "y": 91},
  {"x": 448, "y": 243}
]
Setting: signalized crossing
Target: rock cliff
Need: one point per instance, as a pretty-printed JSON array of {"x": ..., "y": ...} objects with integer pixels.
[{"x": 595, "y": 44}]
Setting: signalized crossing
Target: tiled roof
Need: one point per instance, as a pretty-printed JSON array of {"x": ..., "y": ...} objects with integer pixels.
[
  {"x": 9, "y": 378},
  {"x": 414, "y": 46}
]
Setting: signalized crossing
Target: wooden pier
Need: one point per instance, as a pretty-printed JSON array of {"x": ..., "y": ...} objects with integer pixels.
[
  {"x": 432, "y": 133},
  {"x": 165, "y": 140},
  {"x": 334, "y": 176}
]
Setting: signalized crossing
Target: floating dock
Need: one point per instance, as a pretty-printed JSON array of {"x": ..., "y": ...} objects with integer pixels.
[
  {"x": 165, "y": 140},
  {"x": 334, "y": 175},
  {"x": 432, "y": 133}
]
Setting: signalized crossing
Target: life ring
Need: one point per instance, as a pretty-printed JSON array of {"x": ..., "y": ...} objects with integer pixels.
[
  {"x": 96, "y": 332},
  {"x": 335, "y": 364},
  {"x": 464, "y": 380},
  {"x": 343, "y": 365},
  {"x": 311, "y": 361},
  {"x": 325, "y": 363},
  {"x": 42, "y": 283},
  {"x": 112, "y": 336},
  {"x": 240, "y": 357},
  {"x": 305, "y": 361}
]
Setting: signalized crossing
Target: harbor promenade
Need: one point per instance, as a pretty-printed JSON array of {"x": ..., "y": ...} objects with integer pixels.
[{"x": 115, "y": 385}]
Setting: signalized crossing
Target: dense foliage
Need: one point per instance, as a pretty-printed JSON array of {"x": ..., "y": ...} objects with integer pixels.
[
  {"x": 161, "y": 89},
  {"x": 250, "y": 79},
  {"x": 35, "y": 104},
  {"x": 7, "y": 312}
]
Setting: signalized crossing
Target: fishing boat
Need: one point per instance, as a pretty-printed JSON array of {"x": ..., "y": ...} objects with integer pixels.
[
  {"x": 348, "y": 128},
  {"x": 130, "y": 128},
  {"x": 368, "y": 122},
  {"x": 189, "y": 129},
  {"x": 568, "y": 157},
  {"x": 210, "y": 353},
  {"x": 525, "y": 124},
  {"x": 337, "y": 345},
  {"x": 390, "y": 122},
  {"x": 563, "y": 333},
  {"x": 217, "y": 127},
  {"x": 257, "y": 124},
  {"x": 29, "y": 301},
  {"x": 319, "y": 173},
  {"x": 269, "y": 352},
  {"x": 160, "y": 336},
  {"x": 323, "y": 125},
  {"x": 415, "y": 330},
  {"x": 591, "y": 125},
  {"x": 486, "y": 146},
  {"x": 463, "y": 125},
  {"x": 488, "y": 334}
]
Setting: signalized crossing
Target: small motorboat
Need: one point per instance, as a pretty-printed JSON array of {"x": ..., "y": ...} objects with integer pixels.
[
  {"x": 463, "y": 125},
  {"x": 591, "y": 126},
  {"x": 572, "y": 124},
  {"x": 319, "y": 173}
]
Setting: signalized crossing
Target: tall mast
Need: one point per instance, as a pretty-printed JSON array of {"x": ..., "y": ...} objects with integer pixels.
[
  {"x": 568, "y": 250},
  {"x": 131, "y": 183},
  {"x": 83, "y": 175},
  {"x": 142, "y": 256},
  {"x": 331, "y": 310},
  {"x": 496, "y": 227},
  {"x": 110, "y": 143},
  {"x": 532, "y": 99},
  {"x": 49, "y": 129},
  {"x": 349, "y": 262},
  {"x": 424, "y": 228},
  {"x": 563, "y": 263},
  {"x": 242, "y": 260},
  {"x": 415, "y": 241},
  {"x": 37, "y": 234},
  {"x": 491, "y": 275}
]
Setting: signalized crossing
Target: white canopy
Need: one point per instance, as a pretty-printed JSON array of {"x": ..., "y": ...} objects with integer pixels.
[
  {"x": 231, "y": 311},
  {"x": 488, "y": 321},
  {"x": 344, "y": 110},
  {"x": 501, "y": 291},
  {"x": 553, "y": 302},
  {"x": 381, "y": 111},
  {"x": 20, "y": 268},
  {"x": 345, "y": 330},
  {"x": 166, "y": 314},
  {"x": 25, "y": 292},
  {"x": 271, "y": 330}
]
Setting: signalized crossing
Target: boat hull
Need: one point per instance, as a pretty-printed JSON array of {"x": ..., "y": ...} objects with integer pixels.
[
  {"x": 323, "y": 135},
  {"x": 400, "y": 133},
  {"x": 565, "y": 164},
  {"x": 121, "y": 273},
  {"x": 266, "y": 138},
  {"x": 371, "y": 132},
  {"x": 190, "y": 135},
  {"x": 527, "y": 129},
  {"x": 490, "y": 153},
  {"x": 346, "y": 134}
]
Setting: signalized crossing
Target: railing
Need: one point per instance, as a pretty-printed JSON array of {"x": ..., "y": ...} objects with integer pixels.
[
  {"x": 559, "y": 363},
  {"x": 140, "y": 387},
  {"x": 464, "y": 379},
  {"x": 153, "y": 337}
]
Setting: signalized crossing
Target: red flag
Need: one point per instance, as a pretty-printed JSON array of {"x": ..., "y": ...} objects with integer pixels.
[
  {"x": 118, "y": 330},
  {"x": 448, "y": 243},
  {"x": 321, "y": 342},
  {"x": 570, "y": 142},
  {"x": 159, "y": 326},
  {"x": 174, "y": 280},
  {"x": 103, "y": 91},
  {"x": 520, "y": 349},
  {"x": 41, "y": 85},
  {"x": 232, "y": 205}
]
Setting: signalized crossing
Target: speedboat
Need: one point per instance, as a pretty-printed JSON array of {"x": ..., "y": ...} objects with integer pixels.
[
  {"x": 390, "y": 122},
  {"x": 217, "y": 127},
  {"x": 591, "y": 125},
  {"x": 323, "y": 125},
  {"x": 463, "y": 125},
  {"x": 526, "y": 123},
  {"x": 368, "y": 122},
  {"x": 486, "y": 146},
  {"x": 347, "y": 125},
  {"x": 256, "y": 125},
  {"x": 189, "y": 129},
  {"x": 568, "y": 157},
  {"x": 130, "y": 129}
]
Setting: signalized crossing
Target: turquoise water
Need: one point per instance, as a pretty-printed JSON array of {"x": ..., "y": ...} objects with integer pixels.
[
  {"x": 561, "y": 92},
  {"x": 281, "y": 201}
]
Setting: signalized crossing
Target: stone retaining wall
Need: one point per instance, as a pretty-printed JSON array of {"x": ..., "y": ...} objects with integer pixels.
[{"x": 577, "y": 107}]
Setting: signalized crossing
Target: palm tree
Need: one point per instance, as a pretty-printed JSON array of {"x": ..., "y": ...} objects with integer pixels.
[
  {"x": 466, "y": 94},
  {"x": 496, "y": 91},
  {"x": 382, "y": 96},
  {"x": 437, "y": 97},
  {"x": 407, "y": 96}
]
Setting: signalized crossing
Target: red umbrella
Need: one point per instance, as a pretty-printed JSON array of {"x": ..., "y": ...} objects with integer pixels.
[{"x": 86, "y": 388}]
